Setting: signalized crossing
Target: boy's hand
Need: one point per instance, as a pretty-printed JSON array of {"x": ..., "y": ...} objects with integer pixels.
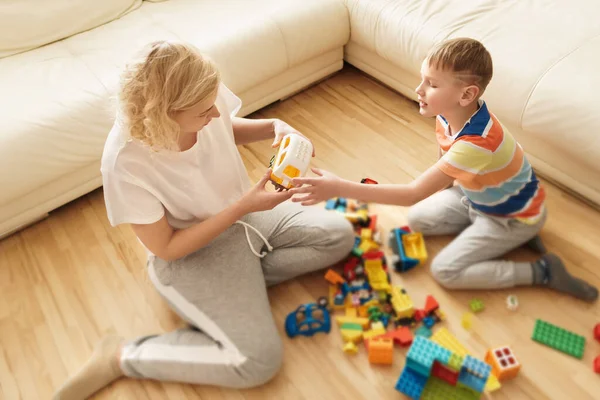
[
  {"x": 281, "y": 129},
  {"x": 323, "y": 187}
]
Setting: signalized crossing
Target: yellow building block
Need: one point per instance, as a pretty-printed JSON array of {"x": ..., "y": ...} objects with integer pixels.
[
  {"x": 366, "y": 233},
  {"x": 368, "y": 245},
  {"x": 445, "y": 339},
  {"x": 467, "y": 321},
  {"x": 350, "y": 348},
  {"x": 374, "y": 332},
  {"x": 350, "y": 335},
  {"x": 402, "y": 303},
  {"x": 376, "y": 275},
  {"x": 414, "y": 246},
  {"x": 351, "y": 312}
]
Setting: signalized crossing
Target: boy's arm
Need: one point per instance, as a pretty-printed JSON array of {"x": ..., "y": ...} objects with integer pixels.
[
  {"x": 327, "y": 186},
  {"x": 440, "y": 156}
]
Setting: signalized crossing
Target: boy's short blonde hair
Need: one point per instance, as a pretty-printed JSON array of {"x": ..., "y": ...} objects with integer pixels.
[
  {"x": 467, "y": 58},
  {"x": 168, "y": 77}
]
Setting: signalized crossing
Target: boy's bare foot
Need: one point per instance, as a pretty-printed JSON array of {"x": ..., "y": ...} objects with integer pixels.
[{"x": 99, "y": 371}]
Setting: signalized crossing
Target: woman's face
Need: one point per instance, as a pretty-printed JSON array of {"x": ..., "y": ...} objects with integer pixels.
[{"x": 198, "y": 116}]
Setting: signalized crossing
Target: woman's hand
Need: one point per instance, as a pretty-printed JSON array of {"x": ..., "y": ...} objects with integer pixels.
[
  {"x": 259, "y": 199},
  {"x": 281, "y": 129},
  {"x": 323, "y": 187}
]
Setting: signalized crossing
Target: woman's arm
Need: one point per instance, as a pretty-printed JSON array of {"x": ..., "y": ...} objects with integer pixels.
[
  {"x": 170, "y": 244},
  {"x": 252, "y": 130}
]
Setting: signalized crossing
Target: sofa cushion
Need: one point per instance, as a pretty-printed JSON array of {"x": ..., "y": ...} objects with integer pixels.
[
  {"x": 27, "y": 24},
  {"x": 58, "y": 101}
]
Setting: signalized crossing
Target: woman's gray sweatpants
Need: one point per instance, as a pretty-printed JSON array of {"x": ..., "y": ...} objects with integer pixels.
[
  {"x": 220, "y": 290},
  {"x": 472, "y": 260}
]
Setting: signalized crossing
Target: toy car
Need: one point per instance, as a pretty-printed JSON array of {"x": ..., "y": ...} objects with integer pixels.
[
  {"x": 291, "y": 161},
  {"x": 408, "y": 247},
  {"x": 308, "y": 319}
]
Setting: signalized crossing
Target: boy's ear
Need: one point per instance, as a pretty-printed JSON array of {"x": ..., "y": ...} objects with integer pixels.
[{"x": 470, "y": 94}]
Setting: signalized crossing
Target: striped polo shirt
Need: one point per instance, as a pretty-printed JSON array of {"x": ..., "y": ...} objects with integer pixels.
[{"x": 490, "y": 167}]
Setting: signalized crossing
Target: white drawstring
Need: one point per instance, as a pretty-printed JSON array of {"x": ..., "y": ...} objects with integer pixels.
[{"x": 246, "y": 226}]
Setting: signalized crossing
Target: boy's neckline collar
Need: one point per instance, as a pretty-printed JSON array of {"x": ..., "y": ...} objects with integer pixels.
[{"x": 475, "y": 125}]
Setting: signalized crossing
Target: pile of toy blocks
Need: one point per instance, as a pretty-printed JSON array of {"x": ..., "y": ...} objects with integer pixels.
[
  {"x": 375, "y": 312},
  {"x": 434, "y": 372}
]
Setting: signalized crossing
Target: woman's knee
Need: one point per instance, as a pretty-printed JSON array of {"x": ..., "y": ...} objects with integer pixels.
[
  {"x": 339, "y": 233},
  {"x": 262, "y": 361}
]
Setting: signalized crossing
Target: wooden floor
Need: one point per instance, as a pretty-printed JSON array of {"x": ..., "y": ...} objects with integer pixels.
[{"x": 72, "y": 278}]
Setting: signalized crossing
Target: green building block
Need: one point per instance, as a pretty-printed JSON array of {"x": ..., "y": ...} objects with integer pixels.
[
  {"x": 558, "y": 338},
  {"x": 476, "y": 305},
  {"x": 455, "y": 362},
  {"x": 438, "y": 389}
]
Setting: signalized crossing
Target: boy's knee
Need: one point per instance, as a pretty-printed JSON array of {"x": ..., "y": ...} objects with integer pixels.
[
  {"x": 262, "y": 363},
  {"x": 417, "y": 219},
  {"x": 445, "y": 272}
]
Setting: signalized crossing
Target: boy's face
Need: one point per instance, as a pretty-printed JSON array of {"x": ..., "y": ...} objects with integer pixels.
[{"x": 439, "y": 92}]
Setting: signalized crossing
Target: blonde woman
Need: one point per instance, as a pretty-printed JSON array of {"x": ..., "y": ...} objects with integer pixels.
[{"x": 172, "y": 171}]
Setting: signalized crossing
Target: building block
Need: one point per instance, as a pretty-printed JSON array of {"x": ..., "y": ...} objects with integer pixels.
[
  {"x": 467, "y": 321},
  {"x": 364, "y": 322},
  {"x": 470, "y": 382},
  {"x": 331, "y": 204},
  {"x": 403, "y": 336},
  {"x": 423, "y": 353},
  {"x": 350, "y": 348},
  {"x": 366, "y": 233},
  {"x": 440, "y": 314},
  {"x": 455, "y": 363},
  {"x": 444, "y": 338},
  {"x": 400, "y": 261},
  {"x": 431, "y": 304},
  {"x": 381, "y": 351},
  {"x": 333, "y": 277},
  {"x": 428, "y": 322},
  {"x": 512, "y": 302},
  {"x": 441, "y": 371},
  {"x": 414, "y": 246},
  {"x": 503, "y": 362},
  {"x": 558, "y": 338},
  {"x": 597, "y": 365},
  {"x": 423, "y": 331},
  {"x": 411, "y": 384},
  {"x": 437, "y": 389},
  {"x": 419, "y": 315},
  {"x": 402, "y": 303},
  {"x": 307, "y": 320},
  {"x": 476, "y": 305},
  {"x": 597, "y": 332}
]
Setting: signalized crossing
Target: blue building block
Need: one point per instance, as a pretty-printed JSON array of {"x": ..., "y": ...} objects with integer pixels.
[
  {"x": 404, "y": 263},
  {"x": 477, "y": 367},
  {"x": 428, "y": 322},
  {"x": 423, "y": 353},
  {"x": 302, "y": 322},
  {"x": 345, "y": 289},
  {"x": 357, "y": 241},
  {"x": 411, "y": 384},
  {"x": 423, "y": 331},
  {"x": 474, "y": 374},
  {"x": 342, "y": 201},
  {"x": 331, "y": 204}
]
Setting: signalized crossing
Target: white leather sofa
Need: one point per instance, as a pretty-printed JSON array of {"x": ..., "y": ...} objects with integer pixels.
[
  {"x": 546, "y": 83},
  {"x": 56, "y": 99}
]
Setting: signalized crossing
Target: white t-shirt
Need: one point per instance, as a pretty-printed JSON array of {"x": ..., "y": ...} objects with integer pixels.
[{"x": 142, "y": 185}]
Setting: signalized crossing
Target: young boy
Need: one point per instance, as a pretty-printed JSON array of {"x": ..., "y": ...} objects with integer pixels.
[{"x": 492, "y": 197}]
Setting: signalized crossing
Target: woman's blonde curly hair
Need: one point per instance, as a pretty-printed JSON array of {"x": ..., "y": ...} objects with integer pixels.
[{"x": 167, "y": 78}]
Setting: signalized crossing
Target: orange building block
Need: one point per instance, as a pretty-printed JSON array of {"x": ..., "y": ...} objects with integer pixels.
[
  {"x": 431, "y": 304},
  {"x": 503, "y": 362},
  {"x": 403, "y": 336},
  {"x": 333, "y": 277},
  {"x": 381, "y": 351}
]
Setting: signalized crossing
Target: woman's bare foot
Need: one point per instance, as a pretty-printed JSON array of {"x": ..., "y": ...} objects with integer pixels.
[{"x": 99, "y": 371}]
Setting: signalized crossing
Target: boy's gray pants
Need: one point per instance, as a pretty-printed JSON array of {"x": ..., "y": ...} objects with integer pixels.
[{"x": 472, "y": 260}]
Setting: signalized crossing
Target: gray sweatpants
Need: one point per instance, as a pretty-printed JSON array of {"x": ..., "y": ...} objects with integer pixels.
[
  {"x": 221, "y": 291},
  {"x": 471, "y": 261}
]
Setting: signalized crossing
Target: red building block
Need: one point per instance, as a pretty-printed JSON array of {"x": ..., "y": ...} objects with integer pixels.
[
  {"x": 597, "y": 365},
  {"x": 442, "y": 372},
  {"x": 402, "y": 336},
  {"x": 419, "y": 315},
  {"x": 373, "y": 224},
  {"x": 597, "y": 332},
  {"x": 431, "y": 305},
  {"x": 373, "y": 255}
]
